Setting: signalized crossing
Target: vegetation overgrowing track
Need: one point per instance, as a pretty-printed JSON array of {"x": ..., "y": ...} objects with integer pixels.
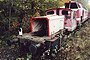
[
  {"x": 76, "y": 46},
  {"x": 70, "y": 43}
]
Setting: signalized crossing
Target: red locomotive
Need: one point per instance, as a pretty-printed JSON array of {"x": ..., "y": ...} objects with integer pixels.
[
  {"x": 81, "y": 11},
  {"x": 70, "y": 22}
]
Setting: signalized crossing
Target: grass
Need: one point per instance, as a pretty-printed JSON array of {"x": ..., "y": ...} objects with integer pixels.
[{"x": 81, "y": 43}]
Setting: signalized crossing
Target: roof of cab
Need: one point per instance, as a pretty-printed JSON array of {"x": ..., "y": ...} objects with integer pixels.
[{"x": 59, "y": 8}]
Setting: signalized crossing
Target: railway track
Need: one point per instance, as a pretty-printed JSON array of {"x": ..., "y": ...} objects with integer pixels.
[
  {"x": 69, "y": 37},
  {"x": 65, "y": 39},
  {"x": 7, "y": 53}
]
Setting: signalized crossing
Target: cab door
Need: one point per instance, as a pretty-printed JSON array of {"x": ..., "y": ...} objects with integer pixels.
[
  {"x": 74, "y": 21},
  {"x": 68, "y": 19}
]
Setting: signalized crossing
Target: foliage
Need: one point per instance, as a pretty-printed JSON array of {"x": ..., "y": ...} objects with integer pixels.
[
  {"x": 80, "y": 44},
  {"x": 29, "y": 55},
  {"x": 21, "y": 12}
]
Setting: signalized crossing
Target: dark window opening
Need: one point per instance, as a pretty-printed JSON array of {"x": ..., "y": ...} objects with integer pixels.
[
  {"x": 66, "y": 5},
  {"x": 65, "y": 12},
  {"x": 79, "y": 6},
  {"x": 58, "y": 11},
  {"x": 40, "y": 27},
  {"x": 73, "y": 5},
  {"x": 67, "y": 17},
  {"x": 74, "y": 15},
  {"x": 50, "y": 12}
]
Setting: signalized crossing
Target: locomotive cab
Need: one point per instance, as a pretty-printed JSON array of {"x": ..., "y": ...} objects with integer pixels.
[
  {"x": 70, "y": 21},
  {"x": 82, "y": 12},
  {"x": 73, "y": 5},
  {"x": 46, "y": 25}
]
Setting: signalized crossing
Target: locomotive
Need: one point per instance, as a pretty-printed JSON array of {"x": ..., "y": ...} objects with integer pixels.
[
  {"x": 47, "y": 31},
  {"x": 82, "y": 12},
  {"x": 70, "y": 22}
]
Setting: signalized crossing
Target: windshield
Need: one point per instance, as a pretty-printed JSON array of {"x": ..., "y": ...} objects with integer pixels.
[{"x": 73, "y": 5}]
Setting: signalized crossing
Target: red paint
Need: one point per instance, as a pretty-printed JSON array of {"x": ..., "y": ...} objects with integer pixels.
[
  {"x": 89, "y": 15},
  {"x": 51, "y": 35},
  {"x": 77, "y": 13},
  {"x": 40, "y": 18},
  {"x": 48, "y": 26},
  {"x": 65, "y": 23},
  {"x": 31, "y": 25},
  {"x": 50, "y": 10},
  {"x": 60, "y": 30},
  {"x": 59, "y": 10},
  {"x": 78, "y": 21},
  {"x": 65, "y": 9}
]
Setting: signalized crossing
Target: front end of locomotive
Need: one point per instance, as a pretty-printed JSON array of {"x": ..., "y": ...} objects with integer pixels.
[{"x": 43, "y": 34}]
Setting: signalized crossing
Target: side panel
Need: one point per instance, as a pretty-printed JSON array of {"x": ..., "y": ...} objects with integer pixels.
[
  {"x": 56, "y": 25},
  {"x": 78, "y": 16},
  {"x": 85, "y": 15},
  {"x": 74, "y": 21}
]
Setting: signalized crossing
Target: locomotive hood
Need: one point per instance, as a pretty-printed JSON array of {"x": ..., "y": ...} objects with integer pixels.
[{"x": 46, "y": 25}]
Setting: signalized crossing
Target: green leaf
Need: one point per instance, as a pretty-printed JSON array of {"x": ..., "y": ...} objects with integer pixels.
[
  {"x": 30, "y": 56},
  {"x": 2, "y": 36}
]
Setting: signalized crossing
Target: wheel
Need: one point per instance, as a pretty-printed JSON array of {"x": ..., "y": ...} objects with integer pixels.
[{"x": 33, "y": 49}]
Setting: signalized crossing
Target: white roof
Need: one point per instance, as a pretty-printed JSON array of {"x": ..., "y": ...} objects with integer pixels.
[{"x": 51, "y": 17}]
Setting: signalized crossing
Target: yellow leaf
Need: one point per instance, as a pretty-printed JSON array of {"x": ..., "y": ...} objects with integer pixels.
[
  {"x": 78, "y": 56},
  {"x": 9, "y": 47},
  {"x": 0, "y": 41},
  {"x": 37, "y": 14},
  {"x": 1, "y": 0}
]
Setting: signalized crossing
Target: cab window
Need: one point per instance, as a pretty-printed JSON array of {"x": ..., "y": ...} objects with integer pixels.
[
  {"x": 67, "y": 14},
  {"x": 79, "y": 6},
  {"x": 50, "y": 12},
  {"x": 73, "y": 5}
]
